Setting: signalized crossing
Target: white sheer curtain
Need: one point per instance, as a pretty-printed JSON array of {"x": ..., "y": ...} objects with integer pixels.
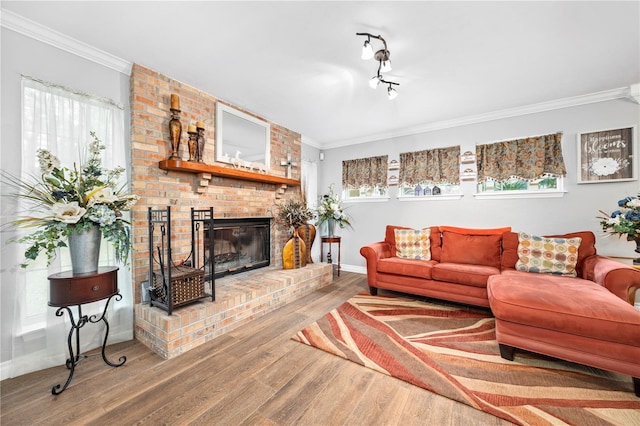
[
  {"x": 309, "y": 172},
  {"x": 59, "y": 119}
]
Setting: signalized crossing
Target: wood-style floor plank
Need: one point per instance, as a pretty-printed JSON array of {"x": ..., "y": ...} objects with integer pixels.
[{"x": 254, "y": 375}]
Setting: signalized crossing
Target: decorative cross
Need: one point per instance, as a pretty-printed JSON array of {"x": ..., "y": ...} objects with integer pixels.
[{"x": 288, "y": 163}]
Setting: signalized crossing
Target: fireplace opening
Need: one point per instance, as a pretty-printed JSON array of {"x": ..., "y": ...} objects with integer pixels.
[{"x": 240, "y": 244}]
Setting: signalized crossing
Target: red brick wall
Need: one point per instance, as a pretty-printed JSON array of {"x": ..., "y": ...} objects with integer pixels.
[{"x": 150, "y": 115}]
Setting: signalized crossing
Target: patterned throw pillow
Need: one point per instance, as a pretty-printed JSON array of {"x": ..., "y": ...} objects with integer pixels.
[
  {"x": 413, "y": 243},
  {"x": 557, "y": 256}
]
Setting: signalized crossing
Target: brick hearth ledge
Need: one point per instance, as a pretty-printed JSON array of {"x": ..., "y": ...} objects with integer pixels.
[{"x": 239, "y": 299}]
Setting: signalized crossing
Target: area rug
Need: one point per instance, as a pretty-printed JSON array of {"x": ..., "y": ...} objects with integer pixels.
[{"x": 452, "y": 351}]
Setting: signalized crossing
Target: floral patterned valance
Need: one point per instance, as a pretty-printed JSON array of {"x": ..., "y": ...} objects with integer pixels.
[
  {"x": 529, "y": 158},
  {"x": 367, "y": 172},
  {"x": 439, "y": 165}
]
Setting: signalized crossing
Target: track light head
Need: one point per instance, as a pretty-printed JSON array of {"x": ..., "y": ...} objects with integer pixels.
[
  {"x": 375, "y": 81},
  {"x": 367, "y": 50},
  {"x": 392, "y": 93}
]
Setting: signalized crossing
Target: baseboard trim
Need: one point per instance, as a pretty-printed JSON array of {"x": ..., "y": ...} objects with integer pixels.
[
  {"x": 5, "y": 370},
  {"x": 353, "y": 268}
]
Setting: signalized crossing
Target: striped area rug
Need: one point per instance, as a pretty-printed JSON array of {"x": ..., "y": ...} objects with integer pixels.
[{"x": 452, "y": 351}]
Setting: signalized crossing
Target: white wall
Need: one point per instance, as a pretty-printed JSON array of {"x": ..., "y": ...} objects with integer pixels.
[
  {"x": 24, "y": 55},
  {"x": 576, "y": 211}
]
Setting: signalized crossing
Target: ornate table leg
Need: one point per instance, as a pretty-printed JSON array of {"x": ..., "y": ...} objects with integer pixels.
[
  {"x": 74, "y": 356},
  {"x": 93, "y": 319}
]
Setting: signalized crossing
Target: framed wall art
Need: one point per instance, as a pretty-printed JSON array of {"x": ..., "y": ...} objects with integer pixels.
[{"x": 608, "y": 155}]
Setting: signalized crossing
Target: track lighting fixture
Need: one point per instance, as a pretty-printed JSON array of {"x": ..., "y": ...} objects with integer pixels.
[{"x": 384, "y": 63}]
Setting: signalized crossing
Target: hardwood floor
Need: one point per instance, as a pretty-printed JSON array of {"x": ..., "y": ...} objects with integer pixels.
[{"x": 254, "y": 375}]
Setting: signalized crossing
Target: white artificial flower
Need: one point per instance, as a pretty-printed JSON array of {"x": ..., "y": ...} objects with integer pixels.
[
  {"x": 47, "y": 161},
  {"x": 634, "y": 204},
  {"x": 614, "y": 220},
  {"x": 605, "y": 166},
  {"x": 129, "y": 201},
  {"x": 104, "y": 196},
  {"x": 68, "y": 212}
]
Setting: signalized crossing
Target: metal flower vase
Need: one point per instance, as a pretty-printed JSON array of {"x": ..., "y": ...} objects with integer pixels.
[
  {"x": 84, "y": 245},
  {"x": 637, "y": 250},
  {"x": 331, "y": 227}
]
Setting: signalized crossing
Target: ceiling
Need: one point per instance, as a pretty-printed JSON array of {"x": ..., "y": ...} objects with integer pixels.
[{"x": 298, "y": 63}]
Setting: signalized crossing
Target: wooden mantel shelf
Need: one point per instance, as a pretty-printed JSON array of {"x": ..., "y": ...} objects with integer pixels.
[{"x": 228, "y": 172}]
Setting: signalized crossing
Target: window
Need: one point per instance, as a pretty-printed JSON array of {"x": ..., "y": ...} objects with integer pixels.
[
  {"x": 531, "y": 166},
  {"x": 515, "y": 184},
  {"x": 368, "y": 191},
  {"x": 431, "y": 173},
  {"x": 59, "y": 119},
  {"x": 365, "y": 178}
]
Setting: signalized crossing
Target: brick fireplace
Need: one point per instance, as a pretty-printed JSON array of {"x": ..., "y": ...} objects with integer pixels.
[{"x": 183, "y": 185}]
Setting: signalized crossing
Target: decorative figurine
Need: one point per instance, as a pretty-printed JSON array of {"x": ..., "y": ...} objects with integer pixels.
[
  {"x": 200, "y": 145},
  {"x": 175, "y": 127},
  {"x": 193, "y": 143}
]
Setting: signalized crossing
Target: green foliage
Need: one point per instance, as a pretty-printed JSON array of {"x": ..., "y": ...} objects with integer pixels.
[
  {"x": 511, "y": 185},
  {"x": 331, "y": 208},
  {"x": 625, "y": 221},
  {"x": 64, "y": 199}
]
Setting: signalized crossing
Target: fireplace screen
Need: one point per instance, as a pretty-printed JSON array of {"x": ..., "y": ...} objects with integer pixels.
[{"x": 240, "y": 245}]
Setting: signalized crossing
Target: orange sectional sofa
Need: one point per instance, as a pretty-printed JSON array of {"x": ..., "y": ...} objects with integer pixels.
[{"x": 588, "y": 319}]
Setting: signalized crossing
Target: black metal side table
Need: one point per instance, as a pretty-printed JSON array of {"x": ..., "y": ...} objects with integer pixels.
[{"x": 66, "y": 290}]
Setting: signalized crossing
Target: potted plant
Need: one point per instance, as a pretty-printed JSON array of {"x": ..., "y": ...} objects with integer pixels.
[
  {"x": 330, "y": 210},
  {"x": 73, "y": 207},
  {"x": 624, "y": 222},
  {"x": 295, "y": 214}
]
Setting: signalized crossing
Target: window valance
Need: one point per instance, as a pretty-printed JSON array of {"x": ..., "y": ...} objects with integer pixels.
[
  {"x": 528, "y": 158},
  {"x": 439, "y": 165},
  {"x": 365, "y": 172}
]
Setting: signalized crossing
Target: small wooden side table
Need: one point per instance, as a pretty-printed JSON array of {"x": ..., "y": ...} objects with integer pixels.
[
  {"x": 330, "y": 240},
  {"x": 66, "y": 290}
]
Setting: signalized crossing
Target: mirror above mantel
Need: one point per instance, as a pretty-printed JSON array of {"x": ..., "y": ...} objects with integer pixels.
[{"x": 242, "y": 139}]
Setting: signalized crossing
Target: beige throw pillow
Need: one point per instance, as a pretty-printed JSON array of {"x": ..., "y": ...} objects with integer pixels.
[
  {"x": 557, "y": 256},
  {"x": 413, "y": 243}
]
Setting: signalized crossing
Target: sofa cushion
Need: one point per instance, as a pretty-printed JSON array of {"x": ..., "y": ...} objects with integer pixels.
[
  {"x": 510, "y": 248},
  {"x": 413, "y": 243},
  {"x": 557, "y": 256},
  {"x": 435, "y": 242},
  {"x": 475, "y": 231},
  {"x": 572, "y": 305},
  {"x": 406, "y": 267},
  {"x": 473, "y": 275},
  {"x": 471, "y": 249}
]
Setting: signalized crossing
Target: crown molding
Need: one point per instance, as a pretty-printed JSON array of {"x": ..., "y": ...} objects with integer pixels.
[
  {"x": 634, "y": 93},
  {"x": 311, "y": 142},
  {"x": 32, "y": 29},
  {"x": 607, "y": 95}
]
